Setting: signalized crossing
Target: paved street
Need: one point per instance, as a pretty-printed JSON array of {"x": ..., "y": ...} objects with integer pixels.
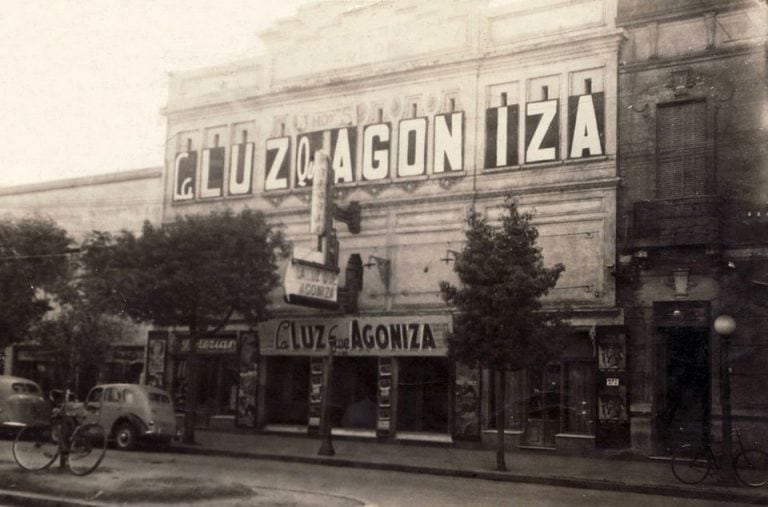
[{"x": 318, "y": 485}]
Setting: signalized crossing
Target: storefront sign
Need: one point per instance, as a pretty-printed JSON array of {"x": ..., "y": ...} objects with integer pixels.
[
  {"x": 365, "y": 336},
  {"x": 310, "y": 284},
  {"x": 211, "y": 345},
  {"x": 128, "y": 354}
]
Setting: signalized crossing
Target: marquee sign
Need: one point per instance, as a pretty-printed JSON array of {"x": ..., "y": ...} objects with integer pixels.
[
  {"x": 395, "y": 151},
  {"x": 357, "y": 336}
]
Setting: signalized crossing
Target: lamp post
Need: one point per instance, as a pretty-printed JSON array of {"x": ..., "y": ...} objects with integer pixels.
[
  {"x": 725, "y": 326},
  {"x": 326, "y": 444}
]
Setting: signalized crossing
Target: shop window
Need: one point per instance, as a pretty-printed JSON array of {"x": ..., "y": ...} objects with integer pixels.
[
  {"x": 422, "y": 394},
  {"x": 681, "y": 150},
  {"x": 217, "y": 385},
  {"x": 515, "y": 400},
  {"x": 287, "y": 387}
]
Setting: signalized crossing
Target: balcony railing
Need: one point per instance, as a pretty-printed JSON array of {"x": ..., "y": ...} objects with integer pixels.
[
  {"x": 677, "y": 222},
  {"x": 706, "y": 221}
]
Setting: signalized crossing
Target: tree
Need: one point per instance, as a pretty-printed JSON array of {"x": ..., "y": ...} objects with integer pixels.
[
  {"x": 197, "y": 272},
  {"x": 80, "y": 339},
  {"x": 500, "y": 323},
  {"x": 33, "y": 260}
]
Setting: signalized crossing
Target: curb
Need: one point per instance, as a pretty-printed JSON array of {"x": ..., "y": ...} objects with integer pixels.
[
  {"x": 25, "y": 498},
  {"x": 725, "y": 495}
]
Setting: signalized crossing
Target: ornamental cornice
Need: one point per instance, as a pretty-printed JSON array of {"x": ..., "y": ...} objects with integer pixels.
[{"x": 428, "y": 68}]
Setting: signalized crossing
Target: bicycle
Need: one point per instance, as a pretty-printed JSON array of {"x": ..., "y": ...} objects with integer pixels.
[
  {"x": 692, "y": 462},
  {"x": 80, "y": 446}
]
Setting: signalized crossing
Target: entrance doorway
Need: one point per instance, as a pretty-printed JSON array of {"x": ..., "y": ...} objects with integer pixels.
[
  {"x": 683, "y": 411},
  {"x": 422, "y": 394},
  {"x": 287, "y": 399},
  {"x": 354, "y": 392},
  {"x": 543, "y": 406},
  {"x": 217, "y": 386}
]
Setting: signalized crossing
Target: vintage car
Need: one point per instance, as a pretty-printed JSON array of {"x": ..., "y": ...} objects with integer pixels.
[
  {"x": 131, "y": 413},
  {"x": 22, "y": 403}
]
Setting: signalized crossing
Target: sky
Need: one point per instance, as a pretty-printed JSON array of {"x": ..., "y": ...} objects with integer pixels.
[{"x": 82, "y": 82}]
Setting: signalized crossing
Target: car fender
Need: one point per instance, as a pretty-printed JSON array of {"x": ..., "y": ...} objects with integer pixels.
[{"x": 135, "y": 420}]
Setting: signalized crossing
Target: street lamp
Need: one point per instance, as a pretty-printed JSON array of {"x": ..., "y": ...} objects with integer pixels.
[
  {"x": 326, "y": 444},
  {"x": 725, "y": 326}
]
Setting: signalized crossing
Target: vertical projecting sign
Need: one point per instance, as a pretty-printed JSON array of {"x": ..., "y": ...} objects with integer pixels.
[
  {"x": 412, "y": 147},
  {"x": 376, "y": 144},
  {"x": 541, "y": 131},
  {"x": 212, "y": 172},
  {"x": 241, "y": 168},
  {"x": 449, "y": 142},
  {"x": 185, "y": 168},
  {"x": 277, "y": 163},
  {"x": 586, "y": 125},
  {"x": 501, "y": 136},
  {"x": 306, "y": 146}
]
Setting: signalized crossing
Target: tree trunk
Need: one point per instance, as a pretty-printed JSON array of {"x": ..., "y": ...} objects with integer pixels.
[
  {"x": 191, "y": 394},
  {"x": 501, "y": 419}
]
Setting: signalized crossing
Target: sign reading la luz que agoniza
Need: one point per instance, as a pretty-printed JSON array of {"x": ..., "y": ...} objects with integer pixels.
[{"x": 311, "y": 284}]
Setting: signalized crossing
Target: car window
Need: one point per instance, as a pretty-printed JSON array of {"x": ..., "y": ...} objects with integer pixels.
[
  {"x": 23, "y": 387},
  {"x": 159, "y": 398},
  {"x": 112, "y": 395},
  {"x": 95, "y": 395},
  {"x": 129, "y": 396}
]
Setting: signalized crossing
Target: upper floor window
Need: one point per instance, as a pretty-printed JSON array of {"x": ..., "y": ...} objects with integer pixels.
[{"x": 681, "y": 150}]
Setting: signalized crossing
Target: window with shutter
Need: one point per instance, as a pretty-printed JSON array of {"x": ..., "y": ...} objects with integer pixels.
[{"x": 681, "y": 148}]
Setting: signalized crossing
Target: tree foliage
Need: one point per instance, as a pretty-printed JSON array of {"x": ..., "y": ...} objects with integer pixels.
[
  {"x": 195, "y": 272},
  {"x": 499, "y": 322},
  {"x": 79, "y": 337},
  {"x": 33, "y": 262}
]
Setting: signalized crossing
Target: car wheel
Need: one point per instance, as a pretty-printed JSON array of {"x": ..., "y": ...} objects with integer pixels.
[{"x": 125, "y": 436}]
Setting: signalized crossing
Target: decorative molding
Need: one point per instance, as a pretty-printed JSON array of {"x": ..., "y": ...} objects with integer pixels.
[
  {"x": 410, "y": 186},
  {"x": 362, "y": 112},
  {"x": 680, "y": 81},
  {"x": 341, "y": 193},
  {"x": 276, "y": 199},
  {"x": 395, "y": 108},
  {"x": 304, "y": 196},
  {"x": 448, "y": 181},
  {"x": 431, "y": 103}
]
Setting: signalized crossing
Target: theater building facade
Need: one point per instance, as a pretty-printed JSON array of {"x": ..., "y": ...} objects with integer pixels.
[{"x": 426, "y": 110}]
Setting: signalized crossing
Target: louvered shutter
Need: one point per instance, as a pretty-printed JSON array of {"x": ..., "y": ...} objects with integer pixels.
[{"x": 682, "y": 142}]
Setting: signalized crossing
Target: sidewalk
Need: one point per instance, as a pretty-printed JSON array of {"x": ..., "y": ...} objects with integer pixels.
[{"x": 636, "y": 475}]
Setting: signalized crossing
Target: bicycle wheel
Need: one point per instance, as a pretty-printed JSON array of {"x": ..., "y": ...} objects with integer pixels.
[
  {"x": 752, "y": 467},
  {"x": 87, "y": 448},
  {"x": 690, "y": 463},
  {"x": 36, "y": 447}
]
